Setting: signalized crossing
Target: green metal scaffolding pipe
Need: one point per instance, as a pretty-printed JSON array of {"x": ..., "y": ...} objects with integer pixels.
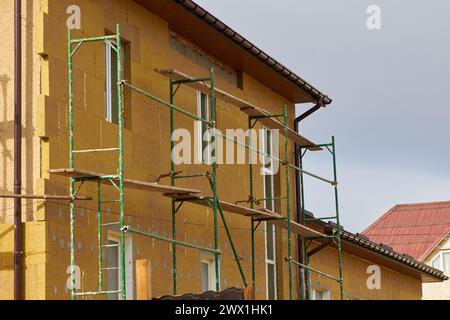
[
  {"x": 99, "y": 235},
  {"x": 165, "y": 103},
  {"x": 252, "y": 206},
  {"x": 172, "y": 183},
  {"x": 121, "y": 164},
  {"x": 214, "y": 178},
  {"x": 71, "y": 165},
  {"x": 230, "y": 239},
  {"x": 336, "y": 199},
  {"x": 94, "y": 39},
  {"x": 127, "y": 229},
  {"x": 276, "y": 159},
  {"x": 301, "y": 265},
  {"x": 288, "y": 201}
]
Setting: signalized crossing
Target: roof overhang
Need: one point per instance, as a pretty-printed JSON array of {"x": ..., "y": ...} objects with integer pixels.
[
  {"x": 382, "y": 255},
  {"x": 217, "y": 39},
  {"x": 390, "y": 259}
]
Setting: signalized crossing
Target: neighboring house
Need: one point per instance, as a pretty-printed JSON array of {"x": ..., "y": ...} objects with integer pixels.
[
  {"x": 420, "y": 230},
  {"x": 400, "y": 275},
  {"x": 156, "y": 34}
]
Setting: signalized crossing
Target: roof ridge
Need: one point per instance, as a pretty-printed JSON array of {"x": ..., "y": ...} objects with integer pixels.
[
  {"x": 373, "y": 224},
  {"x": 423, "y": 203}
]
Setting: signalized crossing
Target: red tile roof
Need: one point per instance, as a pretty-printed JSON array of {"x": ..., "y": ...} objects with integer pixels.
[{"x": 413, "y": 229}]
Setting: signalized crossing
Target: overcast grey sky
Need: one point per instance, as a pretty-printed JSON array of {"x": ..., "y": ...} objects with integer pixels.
[{"x": 391, "y": 91}]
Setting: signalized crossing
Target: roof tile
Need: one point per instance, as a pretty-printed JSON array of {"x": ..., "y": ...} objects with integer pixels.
[{"x": 413, "y": 229}]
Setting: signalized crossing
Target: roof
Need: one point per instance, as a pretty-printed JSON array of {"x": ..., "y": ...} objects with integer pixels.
[
  {"x": 414, "y": 229},
  {"x": 428, "y": 274},
  {"x": 359, "y": 245},
  {"x": 202, "y": 28}
]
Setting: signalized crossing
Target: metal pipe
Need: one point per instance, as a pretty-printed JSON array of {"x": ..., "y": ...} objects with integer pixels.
[
  {"x": 172, "y": 183},
  {"x": 113, "y": 37},
  {"x": 230, "y": 239},
  {"x": 99, "y": 235},
  {"x": 71, "y": 166},
  {"x": 303, "y": 266},
  {"x": 309, "y": 112},
  {"x": 173, "y": 241},
  {"x": 214, "y": 177},
  {"x": 300, "y": 246},
  {"x": 161, "y": 101},
  {"x": 288, "y": 202},
  {"x": 250, "y": 142},
  {"x": 336, "y": 199},
  {"x": 45, "y": 197},
  {"x": 121, "y": 164},
  {"x": 18, "y": 276}
]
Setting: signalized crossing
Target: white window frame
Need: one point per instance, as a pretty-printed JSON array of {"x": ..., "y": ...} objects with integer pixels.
[
  {"x": 266, "y": 224},
  {"x": 325, "y": 292},
  {"x": 210, "y": 261},
  {"x": 440, "y": 258},
  {"x": 109, "y": 82},
  {"x": 129, "y": 263},
  {"x": 200, "y": 127},
  {"x": 108, "y": 85}
]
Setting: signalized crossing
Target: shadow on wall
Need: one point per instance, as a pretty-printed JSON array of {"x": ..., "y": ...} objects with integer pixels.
[
  {"x": 6, "y": 133},
  {"x": 28, "y": 130},
  {"x": 6, "y": 254}
]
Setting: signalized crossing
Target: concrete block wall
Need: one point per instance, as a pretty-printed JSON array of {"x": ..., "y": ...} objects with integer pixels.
[{"x": 147, "y": 148}]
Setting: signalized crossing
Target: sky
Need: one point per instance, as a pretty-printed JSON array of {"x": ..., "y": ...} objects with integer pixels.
[{"x": 390, "y": 89}]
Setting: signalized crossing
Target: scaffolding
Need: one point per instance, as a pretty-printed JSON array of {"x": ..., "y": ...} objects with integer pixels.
[{"x": 177, "y": 195}]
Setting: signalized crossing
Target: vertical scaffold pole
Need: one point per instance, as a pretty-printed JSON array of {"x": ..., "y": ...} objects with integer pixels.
[
  {"x": 172, "y": 180},
  {"x": 338, "y": 238},
  {"x": 71, "y": 165},
  {"x": 214, "y": 177},
  {"x": 251, "y": 202},
  {"x": 305, "y": 245},
  {"x": 121, "y": 165},
  {"x": 99, "y": 235},
  {"x": 288, "y": 198}
]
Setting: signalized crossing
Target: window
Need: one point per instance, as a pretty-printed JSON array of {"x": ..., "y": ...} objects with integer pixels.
[
  {"x": 111, "y": 94},
  {"x": 446, "y": 262},
  {"x": 320, "y": 294},
  {"x": 208, "y": 273},
  {"x": 111, "y": 89},
  {"x": 269, "y": 228},
  {"x": 442, "y": 262},
  {"x": 113, "y": 266},
  {"x": 203, "y": 136}
]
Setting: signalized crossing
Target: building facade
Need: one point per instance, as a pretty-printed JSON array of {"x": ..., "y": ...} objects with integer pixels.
[
  {"x": 156, "y": 35},
  {"x": 439, "y": 258}
]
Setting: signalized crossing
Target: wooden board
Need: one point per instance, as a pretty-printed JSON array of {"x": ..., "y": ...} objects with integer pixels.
[
  {"x": 245, "y": 106},
  {"x": 143, "y": 279},
  {"x": 298, "y": 228},
  {"x": 128, "y": 183},
  {"x": 229, "y": 207},
  {"x": 274, "y": 123}
]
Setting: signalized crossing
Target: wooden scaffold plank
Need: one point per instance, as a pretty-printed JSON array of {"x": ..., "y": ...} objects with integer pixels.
[
  {"x": 244, "y": 106},
  {"x": 128, "y": 183}
]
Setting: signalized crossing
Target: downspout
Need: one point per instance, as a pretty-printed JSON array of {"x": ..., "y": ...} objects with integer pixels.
[
  {"x": 301, "y": 253},
  {"x": 17, "y": 150},
  {"x": 300, "y": 248}
]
